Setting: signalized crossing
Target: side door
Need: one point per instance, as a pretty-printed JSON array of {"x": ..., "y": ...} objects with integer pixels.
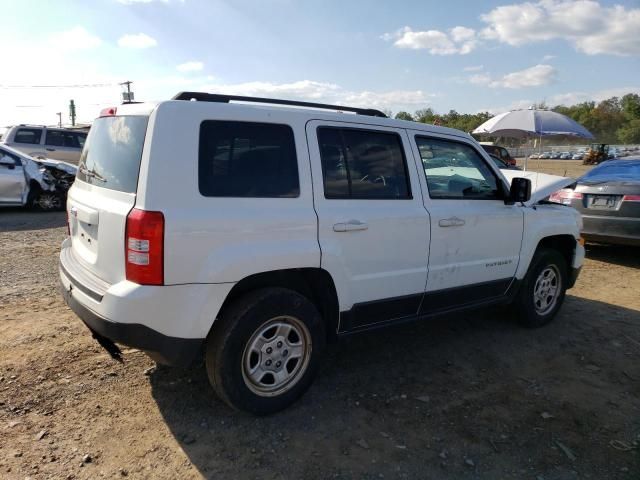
[
  {"x": 13, "y": 183},
  {"x": 373, "y": 228},
  {"x": 475, "y": 236},
  {"x": 62, "y": 145}
]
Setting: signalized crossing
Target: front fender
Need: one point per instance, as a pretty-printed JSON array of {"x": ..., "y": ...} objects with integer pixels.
[{"x": 545, "y": 221}]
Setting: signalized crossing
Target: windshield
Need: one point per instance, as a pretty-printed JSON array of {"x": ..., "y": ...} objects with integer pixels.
[
  {"x": 112, "y": 152},
  {"x": 614, "y": 170}
]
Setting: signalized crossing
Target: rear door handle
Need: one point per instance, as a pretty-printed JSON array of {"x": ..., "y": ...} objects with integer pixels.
[
  {"x": 50, "y": 149},
  {"x": 451, "y": 222},
  {"x": 350, "y": 226}
]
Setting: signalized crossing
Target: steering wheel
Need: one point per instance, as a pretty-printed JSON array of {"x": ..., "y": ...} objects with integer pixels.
[{"x": 378, "y": 179}]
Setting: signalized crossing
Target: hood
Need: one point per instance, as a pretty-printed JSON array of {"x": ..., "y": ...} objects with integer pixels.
[
  {"x": 64, "y": 166},
  {"x": 542, "y": 184}
]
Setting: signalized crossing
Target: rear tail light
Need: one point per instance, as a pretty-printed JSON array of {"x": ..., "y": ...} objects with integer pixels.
[
  {"x": 108, "y": 112},
  {"x": 565, "y": 196},
  {"x": 631, "y": 198},
  {"x": 144, "y": 247}
]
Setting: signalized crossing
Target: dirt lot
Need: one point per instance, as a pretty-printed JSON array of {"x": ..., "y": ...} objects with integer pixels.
[{"x": 471, "y": 396}]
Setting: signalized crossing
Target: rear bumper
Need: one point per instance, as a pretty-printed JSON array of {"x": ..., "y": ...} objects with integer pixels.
[
  {"x": 174, "y": 351},
  {"x": 168, "y": 322},
  {"x": 609, "y": 229}
]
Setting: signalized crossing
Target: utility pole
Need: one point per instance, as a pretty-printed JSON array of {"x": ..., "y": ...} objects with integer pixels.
[
  {"x": 72, "y": 112},
  {"x": 127, "y": 97},
  {"x": 59, "y": 119}
]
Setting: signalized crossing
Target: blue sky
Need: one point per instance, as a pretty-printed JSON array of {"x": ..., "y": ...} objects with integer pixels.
[{"x": 467, "y": 56}]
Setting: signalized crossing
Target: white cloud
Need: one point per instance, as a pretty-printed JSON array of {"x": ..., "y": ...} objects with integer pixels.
[
  {"x": 78, "y": 38},
  {"x": 535, "y": 76},
  {"x": 546, "y": 58},
  {"x": 322, "y": 92},
  {"x": 459, "y": 40},
  {"x": 473, "y": 68},
  {"x": 571, "y": 98},
  {"x": 137, "y": 40},
  {"x": 590, "y": 27},
  {"x": 480, "y": 79},
  {"x": 191, "y": 66}
]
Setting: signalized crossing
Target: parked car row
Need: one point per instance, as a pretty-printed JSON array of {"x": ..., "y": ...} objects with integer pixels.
[{"x": 614, "y": 152}]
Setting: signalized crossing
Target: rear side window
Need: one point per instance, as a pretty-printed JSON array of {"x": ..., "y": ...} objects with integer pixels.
[
  {"x": 61, "y": 138},
  {"x": 112, "y": 153},
  {"x": 362, "y": 164},
  {"x": 28, "y": 135},
  {"x": 54, "y": 138},
  {"x": 245, "y": 159}
]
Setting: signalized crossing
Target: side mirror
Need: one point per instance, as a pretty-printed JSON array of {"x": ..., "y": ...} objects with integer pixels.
[{"x": 520, "y": 190}]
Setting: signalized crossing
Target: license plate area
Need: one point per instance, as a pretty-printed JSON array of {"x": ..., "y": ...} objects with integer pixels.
[{"x": 603, "y": 202}]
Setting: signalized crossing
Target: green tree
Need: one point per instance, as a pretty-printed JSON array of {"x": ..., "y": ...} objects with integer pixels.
[
  {"x": 630, "y": 132},
  {"x": 404, "y": 116}
]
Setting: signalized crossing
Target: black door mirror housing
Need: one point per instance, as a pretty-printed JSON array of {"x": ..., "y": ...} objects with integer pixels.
[{"x": 520, "y": 191}]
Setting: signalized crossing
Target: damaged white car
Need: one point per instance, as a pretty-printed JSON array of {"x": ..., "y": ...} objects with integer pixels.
[{"x": 35, "y": 183}]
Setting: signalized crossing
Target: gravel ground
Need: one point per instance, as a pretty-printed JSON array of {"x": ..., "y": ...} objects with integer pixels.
[{"x": 470, "y": 396}]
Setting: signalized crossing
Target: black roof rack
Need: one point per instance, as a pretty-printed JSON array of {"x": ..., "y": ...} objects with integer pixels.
[{"x": 214, "y": 97}]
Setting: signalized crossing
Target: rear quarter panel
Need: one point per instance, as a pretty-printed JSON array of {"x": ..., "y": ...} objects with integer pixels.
[{"x": 222, "y": 240}]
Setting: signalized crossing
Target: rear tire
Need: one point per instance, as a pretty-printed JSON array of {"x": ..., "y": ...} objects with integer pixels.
[
  {"x": 543, "y": 289},
  {"x": 264, "y": 350}
]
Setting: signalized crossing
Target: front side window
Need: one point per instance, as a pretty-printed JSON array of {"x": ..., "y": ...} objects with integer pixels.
[
  {"x": 455, "y": 170},
  {"x": 245, "y": 159},
  {"x": 362, "y": 164},
  {"x": 28, "y": 135},
  {"x": 7, "y": 157}
]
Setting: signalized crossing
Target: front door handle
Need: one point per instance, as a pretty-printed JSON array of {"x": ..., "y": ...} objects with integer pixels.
[
  {"x": 451, "y": 222},
  {"x": 50, "y": 149},
  {"x": 350, "y": 226}
]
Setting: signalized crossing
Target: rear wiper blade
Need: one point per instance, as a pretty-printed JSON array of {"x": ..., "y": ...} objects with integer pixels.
[{"x": 91, "y": 174}]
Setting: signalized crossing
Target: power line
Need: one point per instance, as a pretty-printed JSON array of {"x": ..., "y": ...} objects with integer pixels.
[{"x": 80, "y": 85}]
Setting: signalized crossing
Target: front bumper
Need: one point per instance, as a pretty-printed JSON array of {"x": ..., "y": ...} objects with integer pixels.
[
  {"x": 174, "y": 351},
  {"x": 573, "y": 276}
]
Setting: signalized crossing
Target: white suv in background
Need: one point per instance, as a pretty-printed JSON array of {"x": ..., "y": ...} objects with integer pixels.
[
  {"x": 256, "y": 233},
  {"x": 46, "y": 142}
]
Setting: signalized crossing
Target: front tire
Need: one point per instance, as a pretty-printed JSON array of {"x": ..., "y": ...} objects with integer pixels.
[
  {"x": 46, "y": 201},
  {"x": 264, "y": 350},
  {"x": 543, "y": 289}
]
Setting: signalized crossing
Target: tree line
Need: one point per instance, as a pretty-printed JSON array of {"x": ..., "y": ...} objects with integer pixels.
[{"x": 615, "y": 120}]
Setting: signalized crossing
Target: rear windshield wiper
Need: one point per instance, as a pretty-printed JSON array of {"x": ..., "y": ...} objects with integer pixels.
[{"x": 91, "y": 174}]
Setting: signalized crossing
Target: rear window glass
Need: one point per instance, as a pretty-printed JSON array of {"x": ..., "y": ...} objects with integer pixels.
[
  {"x": 244, "y": 159},
  {"x": 28, "y": 135},
  {"x": 112, "y": 153},
  {"x": 615, "y": 169}
]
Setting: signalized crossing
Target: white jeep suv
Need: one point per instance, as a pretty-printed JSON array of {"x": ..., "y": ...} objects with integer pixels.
[{"x": 255, "y": 233}]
